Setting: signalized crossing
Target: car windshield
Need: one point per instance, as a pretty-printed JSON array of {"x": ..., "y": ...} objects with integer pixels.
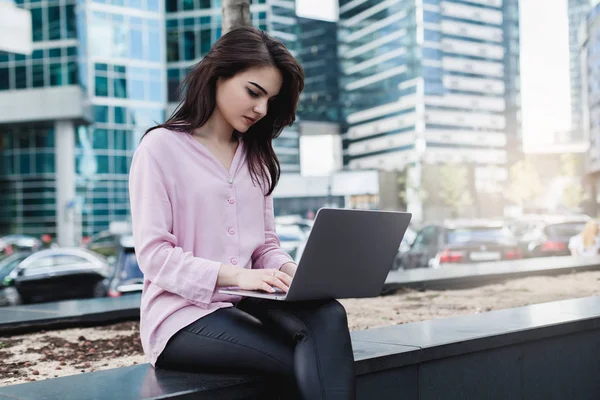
[
  {"x": 477, "y": 234},
  {"x": 9, "y": 263},
  {"x": 131, "y": 269},
  {"x": 521, "y": 228},
  {"x": 564, "y": 230},
  {"x": 290, "y": 233}
]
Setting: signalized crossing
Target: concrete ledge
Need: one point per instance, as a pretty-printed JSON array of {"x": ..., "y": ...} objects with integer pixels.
[
  {"x": 545, "y": 351},
  {"x": 45, "y": 104},
  {"x": 69, "y": 313},
  {"x": 472, "y": 275}
]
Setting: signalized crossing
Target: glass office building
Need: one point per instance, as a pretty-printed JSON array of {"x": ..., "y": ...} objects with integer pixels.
[
  {"x": 590, "y": 72},
  {"x": 318, "y": 53},
  {"x": 578, "y": 12},
  {"x": 27, "y": 148},
  {"x": 443, "y": 73},
  {"x": 101, "y": 73},
  {"x": 105, "y": 49}
]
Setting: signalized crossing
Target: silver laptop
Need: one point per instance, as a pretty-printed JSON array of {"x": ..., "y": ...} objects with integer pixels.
[{"x": 349, "y": 254}]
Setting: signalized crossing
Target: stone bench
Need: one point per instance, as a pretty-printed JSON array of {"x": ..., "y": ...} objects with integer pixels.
[{"x": 544, "y": 351}]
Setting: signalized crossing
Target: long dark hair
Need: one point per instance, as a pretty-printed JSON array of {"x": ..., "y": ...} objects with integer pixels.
[{"x": 237, "y": 51}]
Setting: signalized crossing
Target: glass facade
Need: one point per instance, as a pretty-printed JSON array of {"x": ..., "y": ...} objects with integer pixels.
[
  {"x": 56, "y": 66},
  {"x": 114, "y": 50},
  {"x": 590, "y": 53},
  {"x": 27, "y": 181},
  {"x": 377, "y": 52},
  {"x": 27, "y": 151},
  {"x": 126, "y": 83},
  {"x": 445, "y": 72},
  {"x": 318, "y": 54},
  {"x": 578, "y": 11},
  {"x": 129, "y": 57},
  {"x": 54, "y": 60},
  {"x": 512, "y": 78}
]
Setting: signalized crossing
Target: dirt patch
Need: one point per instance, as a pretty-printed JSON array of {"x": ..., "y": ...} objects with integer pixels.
[
  {"x": 132, "y": 326},
  {"x": 52, "y": 354},
  {"x": 81, "y": 353},
  {"x": 7, "y": 342}
]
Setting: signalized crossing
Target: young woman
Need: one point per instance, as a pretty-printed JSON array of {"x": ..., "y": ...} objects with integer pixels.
[
  {"x": 201, "y": 189},
  {"x": 586, "y": 243}
]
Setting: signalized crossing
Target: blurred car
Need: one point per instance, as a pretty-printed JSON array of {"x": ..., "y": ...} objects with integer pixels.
[
  {"x": 58, "y": 274},
  {"x": 8, "y": 293},
  {"x": 105, "y": 243},
  {"x": 127, "y": 277},
  {"x": 15, "y": 243},
  {"x": 407, "y": 241},
  {"x": 460, "y": 241},
  {"x": 291, "y": 237},
  {"x": 551, "y": 237},
  {"x": 304, "y": 224},
  {"x": 528, "y": 228}
]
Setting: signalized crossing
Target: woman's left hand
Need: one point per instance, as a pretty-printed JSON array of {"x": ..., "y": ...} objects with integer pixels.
[{"x": 289, "y": 268}]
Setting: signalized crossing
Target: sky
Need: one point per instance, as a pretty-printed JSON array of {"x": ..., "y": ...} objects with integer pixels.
[
  {"x": 318, "y": 9},
  {"x": 545, "y": 78},
  {"x": 545, "y": 91}
]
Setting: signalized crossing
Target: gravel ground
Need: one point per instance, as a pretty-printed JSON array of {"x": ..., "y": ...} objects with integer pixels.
[{"x": 50, "y": 354}]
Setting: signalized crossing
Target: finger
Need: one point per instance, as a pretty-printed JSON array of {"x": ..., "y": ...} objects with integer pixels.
[
  {"x": 285, "y": 278},
  {"x": 273, "y": 281},
  {"x": 266, "y": 287}
]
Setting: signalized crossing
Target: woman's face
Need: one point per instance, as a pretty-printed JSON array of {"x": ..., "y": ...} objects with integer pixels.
[{"x": 244, "y": 99}]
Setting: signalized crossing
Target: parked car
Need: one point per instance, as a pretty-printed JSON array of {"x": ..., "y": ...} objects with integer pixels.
[
  {"x": 8, "y": 293},
  {"x": 127, "y": 277},
  {"x": 106, "y": 243},
  {"x": 407, "y": 241},
  {"x": 529, "y": 228},
  {"x": 291, "y": 237},
  {"x": 551, "y": 237},
  {"x": 304, "y": 224},
  {"x": 15, "y": 243},
  {"x": 58, "y": 274},
  {"x": 460, "y": 241}
]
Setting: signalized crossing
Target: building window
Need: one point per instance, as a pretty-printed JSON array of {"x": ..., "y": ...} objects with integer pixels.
[
  {"x": 101, "y": 113},
  {"x": 4, "y": 78},
  {"x": 101, "y": 86}
]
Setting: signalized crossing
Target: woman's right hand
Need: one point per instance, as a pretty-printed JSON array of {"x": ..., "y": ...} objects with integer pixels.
[{"x": 263, "y": 279}]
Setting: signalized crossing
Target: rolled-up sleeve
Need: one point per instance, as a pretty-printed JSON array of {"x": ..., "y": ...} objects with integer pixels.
[
  {"x": 270, "y": 254},
  {"x": 160, "y": 259}
]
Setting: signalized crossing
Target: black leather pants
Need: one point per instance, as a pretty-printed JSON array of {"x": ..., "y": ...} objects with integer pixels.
[{"x": 303, "y": 345}]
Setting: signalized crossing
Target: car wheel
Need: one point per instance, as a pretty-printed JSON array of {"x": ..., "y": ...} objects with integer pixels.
[
  {"x": 99, "y": 290},
  {"x": 11, "y": 297},
  {"x": 17, "y": 300}
]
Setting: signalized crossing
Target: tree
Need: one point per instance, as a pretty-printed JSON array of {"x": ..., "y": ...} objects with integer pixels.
[
  {"x": 236, "y": 13},
  {"x": 573, "y": 193},
  {"x": 524, "y": 183},
  {"x": 407, "y": 181},
  {"x": 454, "y": 187},
  {"x": 569, "y": 165}
]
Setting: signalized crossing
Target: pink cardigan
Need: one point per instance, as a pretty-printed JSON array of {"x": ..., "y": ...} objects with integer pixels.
[{"x": 190, "y": 215}]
